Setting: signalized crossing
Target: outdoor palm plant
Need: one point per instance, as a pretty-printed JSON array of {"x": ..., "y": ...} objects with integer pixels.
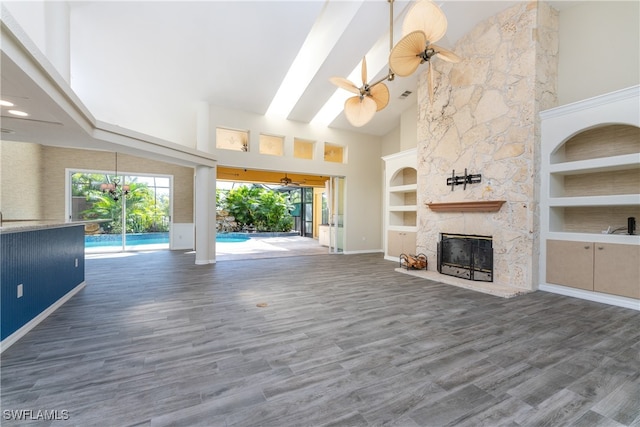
[{"x": 143, "y": 211}]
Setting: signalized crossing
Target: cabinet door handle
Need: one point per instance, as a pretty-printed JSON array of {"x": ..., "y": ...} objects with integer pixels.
[
  {"x": 600, "y": 248},
  {"x": 587, "y": 247}
]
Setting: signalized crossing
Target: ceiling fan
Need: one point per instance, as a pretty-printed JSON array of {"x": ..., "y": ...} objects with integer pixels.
[
  {"x": 370, "y": 97},
  {"x": 424, "y": 25},
  {"x": 286, "y": 181}
]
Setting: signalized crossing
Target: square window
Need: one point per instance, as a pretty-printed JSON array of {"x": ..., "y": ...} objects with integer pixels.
[
  {"x": 271, "y": 145},
  {"x": 333, "y": 153},
  {"x": 303, "y": 149},
  {"x": 229, "y": 139}
]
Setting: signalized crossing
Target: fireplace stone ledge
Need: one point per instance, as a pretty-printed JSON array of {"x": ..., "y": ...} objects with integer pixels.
[{"x": 484, "y": 287}]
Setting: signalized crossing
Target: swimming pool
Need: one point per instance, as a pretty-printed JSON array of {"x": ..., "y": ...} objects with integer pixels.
[
  {"x": 135, "y": 239},
  {"x": 231, "y": 237}
]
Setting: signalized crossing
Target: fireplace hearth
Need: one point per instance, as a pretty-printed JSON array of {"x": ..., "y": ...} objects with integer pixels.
[{"x": 467, "y": 256}]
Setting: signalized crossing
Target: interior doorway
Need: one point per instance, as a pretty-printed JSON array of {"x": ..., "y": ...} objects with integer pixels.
[{"x": 301, "y": 189}]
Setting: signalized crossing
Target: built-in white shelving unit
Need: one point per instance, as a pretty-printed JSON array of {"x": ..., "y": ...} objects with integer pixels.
[
  {"x": 590, "y": 185},
  {"x": 401, "y": 185}
]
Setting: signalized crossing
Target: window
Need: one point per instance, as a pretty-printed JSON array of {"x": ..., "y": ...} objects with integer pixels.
[
  {"x": 271, "y": 145},
  {"x": 228, "y": 139},
  {"x": 303, "y": 149},
  {"x": 333, "y": 153}
]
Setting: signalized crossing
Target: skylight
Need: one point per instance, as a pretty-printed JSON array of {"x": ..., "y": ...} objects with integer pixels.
[{"x": 333, "y": 20}]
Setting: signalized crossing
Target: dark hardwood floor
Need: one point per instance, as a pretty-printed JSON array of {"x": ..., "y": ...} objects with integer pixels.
[{"x": 344, "y": 340}]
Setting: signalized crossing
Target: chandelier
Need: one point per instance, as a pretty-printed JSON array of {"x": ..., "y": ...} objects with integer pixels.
[{"x": 113, "y": 188}]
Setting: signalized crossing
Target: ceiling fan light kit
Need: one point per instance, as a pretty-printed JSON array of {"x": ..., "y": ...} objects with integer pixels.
[{"x": 424, "y": 24}]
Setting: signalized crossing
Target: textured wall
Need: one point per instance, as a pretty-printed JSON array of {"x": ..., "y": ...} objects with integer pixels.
[
  {"x": 484, "y": 117},
  {"x": 20, "y": 171},
  {"x": 38, "y": 172},
  {"x": 55, "y": 160}
]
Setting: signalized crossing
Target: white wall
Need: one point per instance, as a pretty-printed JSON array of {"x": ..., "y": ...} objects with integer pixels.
[
  {"x": 391, "y": 142},
  {"x": 599, "y": 49},
  {"x": 31, "y": 17}
]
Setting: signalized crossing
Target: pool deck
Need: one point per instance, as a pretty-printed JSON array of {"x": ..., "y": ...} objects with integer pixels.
[
  {"x": 256, "y": 247},
  {"x": 269, "y": 247}
]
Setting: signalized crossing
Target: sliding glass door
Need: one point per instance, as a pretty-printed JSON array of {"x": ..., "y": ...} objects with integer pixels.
[
  {"x": 135, "y": 215},
  {"x": 335, "y": 202}
]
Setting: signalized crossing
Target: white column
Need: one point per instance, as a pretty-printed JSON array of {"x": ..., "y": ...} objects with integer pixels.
[
  {"x": 57, "y": 40},
  {"x": 205, "y": 194},
  {"x": 202, "y": 226},
  {"x": 212, "y": 215}
]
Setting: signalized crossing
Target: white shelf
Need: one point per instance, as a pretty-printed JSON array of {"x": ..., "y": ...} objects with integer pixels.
[
  {"x": 616, "y": 200},
  {"x": 403, "y": 208},
  {"x": 403, "y": 188},
  {"x": 604, "y": 164}
]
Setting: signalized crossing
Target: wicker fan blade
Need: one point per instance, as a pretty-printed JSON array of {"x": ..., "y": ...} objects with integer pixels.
[
  {"x": 364, "y": 70},
  {"x": 430, "y": 78},
  {"x": 445, "y": 54},
  {"x": 405, "y": 58},
  {"x": 345, "y": 84},
  {"x": 380, "y": 94},
  {"x": 427, "y": 17},
  {"x": 359, "y": 111}
]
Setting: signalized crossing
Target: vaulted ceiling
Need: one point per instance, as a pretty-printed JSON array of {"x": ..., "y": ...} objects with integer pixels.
[{"x": 149, "y": 62}]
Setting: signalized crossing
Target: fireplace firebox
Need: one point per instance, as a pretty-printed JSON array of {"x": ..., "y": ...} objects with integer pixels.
[{"x": 466, "y": 256}]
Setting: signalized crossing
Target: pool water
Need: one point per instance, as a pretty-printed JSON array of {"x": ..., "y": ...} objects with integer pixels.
[
  {"x": 101, "y": 240},
  {"x": 231, "y": 238},
  {"x": 135, "y": 239}
]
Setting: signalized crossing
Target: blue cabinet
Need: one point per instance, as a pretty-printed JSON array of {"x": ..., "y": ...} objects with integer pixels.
[{"x": 42, "y": 265}]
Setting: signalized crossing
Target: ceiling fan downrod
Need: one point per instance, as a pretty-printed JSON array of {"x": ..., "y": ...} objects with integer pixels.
[{"x": 391, "y": 75}]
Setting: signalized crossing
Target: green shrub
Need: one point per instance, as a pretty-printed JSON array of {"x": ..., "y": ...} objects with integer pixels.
[{"x": 257, "y": 207}]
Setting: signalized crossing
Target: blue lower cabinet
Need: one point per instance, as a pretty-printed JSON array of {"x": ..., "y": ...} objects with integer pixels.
[{"x": 42, "y": 265}]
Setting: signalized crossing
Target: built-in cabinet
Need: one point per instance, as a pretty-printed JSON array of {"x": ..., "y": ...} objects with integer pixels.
[
  {"x": 590, "y": 186},
  {"x": 401, "y": 206},
  {"x": 400, "y": 242},
  {"x": 600, "y": 267}
]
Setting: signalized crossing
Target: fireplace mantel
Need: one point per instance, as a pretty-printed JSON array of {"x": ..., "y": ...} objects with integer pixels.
[{"x": 476, "y": 206}]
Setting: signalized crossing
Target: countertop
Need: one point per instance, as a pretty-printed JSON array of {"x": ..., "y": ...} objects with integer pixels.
[{"x": 33, "y": 225}]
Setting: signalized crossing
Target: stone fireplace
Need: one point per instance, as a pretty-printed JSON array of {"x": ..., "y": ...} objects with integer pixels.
[{"x": 483, "y": 118}]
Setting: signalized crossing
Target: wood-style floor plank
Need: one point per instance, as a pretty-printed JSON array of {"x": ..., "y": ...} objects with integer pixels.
[{"x": 344, "y": 340}]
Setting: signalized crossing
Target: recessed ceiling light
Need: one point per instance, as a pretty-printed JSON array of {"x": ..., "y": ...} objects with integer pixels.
[
  {"x": 6, "y": 103},
  {"x": 18, "y": 113}
]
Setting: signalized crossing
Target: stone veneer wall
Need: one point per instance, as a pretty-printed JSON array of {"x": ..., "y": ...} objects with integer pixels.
[{"x": 484, "y": 117}]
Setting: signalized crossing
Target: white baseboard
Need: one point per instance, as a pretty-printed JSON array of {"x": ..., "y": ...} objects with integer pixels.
[
  {"x": 11, "y": 339},
  {"x": 364, "y": 251},
  {"x": 616, "y": 300}
]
